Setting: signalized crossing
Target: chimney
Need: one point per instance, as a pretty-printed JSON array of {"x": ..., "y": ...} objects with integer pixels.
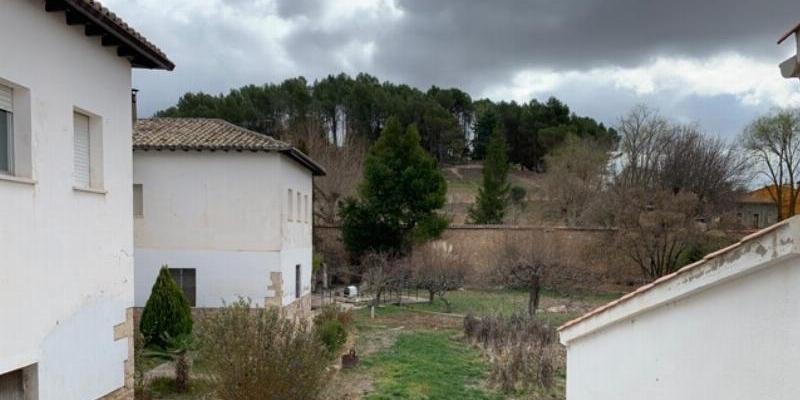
[{"x": 133, "y": 105}]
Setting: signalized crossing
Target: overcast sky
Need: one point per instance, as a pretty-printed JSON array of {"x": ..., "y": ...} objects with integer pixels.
[{"x": 710, "y": 62}]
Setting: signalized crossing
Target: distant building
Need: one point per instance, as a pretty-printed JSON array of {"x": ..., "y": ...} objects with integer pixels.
[
  {"x": 228, "y": 210},
  {"x": 758, "y": 209},
  {"x": 66, "y": 232},
  {"x": 790, "y": 68},
  {"x": 725, "y": 327}
]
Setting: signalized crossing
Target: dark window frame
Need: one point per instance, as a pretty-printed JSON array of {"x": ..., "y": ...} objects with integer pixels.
[{"x": 186, "y": 278}]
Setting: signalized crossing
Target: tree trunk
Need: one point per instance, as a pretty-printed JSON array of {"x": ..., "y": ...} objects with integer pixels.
[
  {"x": 182, "y": 373},
  {"x": 533, "y": 299},
  {"x": 430, "y": 296},
  {"x": 325, "y": 276}
]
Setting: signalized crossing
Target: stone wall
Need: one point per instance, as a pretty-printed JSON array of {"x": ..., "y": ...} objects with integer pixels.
[
  {"x": 580, "y": 250},
  {"x": 125, "y": 331}
]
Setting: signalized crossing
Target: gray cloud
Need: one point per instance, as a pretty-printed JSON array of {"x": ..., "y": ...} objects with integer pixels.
[{"x": 474, "y": 45}]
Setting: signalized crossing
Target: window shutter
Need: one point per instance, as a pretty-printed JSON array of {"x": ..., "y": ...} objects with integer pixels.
[
  {"x": 82, "y": 172},
  {"x": 138, "y": 200},
  {"x": 6, "y": 98}
]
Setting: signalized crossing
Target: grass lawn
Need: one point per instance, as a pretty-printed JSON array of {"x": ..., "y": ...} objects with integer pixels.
[
  {"x": 427, "y": 365},
  {"x": 507, "y": 302}
]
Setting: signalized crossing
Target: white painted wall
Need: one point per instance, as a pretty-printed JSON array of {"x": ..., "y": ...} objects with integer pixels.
[
  {"x": 727, "y": 331},
  {"x": 226, "y": 215},
  {"x": 66, "y": 268}
]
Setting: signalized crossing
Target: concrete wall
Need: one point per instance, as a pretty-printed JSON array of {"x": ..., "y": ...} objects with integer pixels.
[
  {"x": 226, "y": 215},
  {"x": 66, "y": 272},
  {"x": 589, "y": 267},
  {"x": 725, "y": 330}
]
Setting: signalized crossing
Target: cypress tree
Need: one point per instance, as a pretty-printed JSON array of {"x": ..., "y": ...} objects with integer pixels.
[
  {"x": 492, "y": 201},
  {"x": 398, "y": 198},
  {"x": 166, "y": 311}
]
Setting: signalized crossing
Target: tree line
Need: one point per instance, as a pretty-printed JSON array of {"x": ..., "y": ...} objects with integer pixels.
[{"x": 452, "y": 126}]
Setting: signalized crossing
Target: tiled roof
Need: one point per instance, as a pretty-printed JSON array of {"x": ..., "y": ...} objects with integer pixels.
[
  {"x": 210, "y": 134},
  {"x": 100, "y": 21},
  {"x": 673, "y": 276}
]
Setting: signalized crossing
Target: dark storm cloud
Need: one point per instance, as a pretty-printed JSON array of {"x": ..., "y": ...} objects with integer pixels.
[
  {"x": 472, "y": 42},
  {"x": 479, "y": 46}
]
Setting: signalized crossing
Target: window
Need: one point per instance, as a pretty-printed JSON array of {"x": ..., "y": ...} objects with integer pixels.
[
  {"x": 20, "y": 384},
  {"x": 87, "y": 151},
  {"x": 82, "y": 171},
  {"x": 305, "y": 208},
  {"x": 187, "y": 281},
  {"x": 297, "y": 281},
  {"x": 289, "y": 213},
  {"x": 6, "y": 130},
  {"x": 299, "y": 218},
  {"x": 138, "y": 200}
]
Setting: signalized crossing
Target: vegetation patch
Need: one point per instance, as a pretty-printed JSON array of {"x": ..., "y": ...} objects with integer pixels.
[{"x": 428, "y": 365}]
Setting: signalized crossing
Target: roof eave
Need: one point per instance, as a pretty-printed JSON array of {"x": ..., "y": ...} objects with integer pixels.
[
  {"x": 306, "y": 161},
  {"x": 712, "y": 270},
  {"x": 136, "y": 49}
]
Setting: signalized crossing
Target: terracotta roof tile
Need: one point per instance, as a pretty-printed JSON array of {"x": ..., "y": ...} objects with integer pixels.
[
  {"x": 113, "y": 25},
  {"x": 210, "y": 134}
]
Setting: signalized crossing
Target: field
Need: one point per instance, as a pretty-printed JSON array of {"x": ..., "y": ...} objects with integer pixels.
[{"x": 419, "y": 352}]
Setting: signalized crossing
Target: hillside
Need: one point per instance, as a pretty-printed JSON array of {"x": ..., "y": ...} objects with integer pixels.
[{"x": 464, "y": 181}]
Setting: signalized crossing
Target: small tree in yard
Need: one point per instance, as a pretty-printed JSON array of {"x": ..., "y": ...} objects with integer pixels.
[
  {"x": 438, "y": 270},
  {"x": 166, "y": 312},
  {"x": 490, "y": 207},
  {"x": 398, "y": 200},
  {"x": 383, "y": 273},
  {"x": 526, "y": 266},
  {"x": 176, "y": 350}
]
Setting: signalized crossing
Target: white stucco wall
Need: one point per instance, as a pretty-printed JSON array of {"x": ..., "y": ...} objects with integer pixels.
[
  {"x": 66, "y": 268},
  {"x": 728, "y": 330},
  {"x": 224, "y": 214}
]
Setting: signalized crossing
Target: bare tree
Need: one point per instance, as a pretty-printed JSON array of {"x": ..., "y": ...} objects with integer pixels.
[
  {"x": 527, "y": 265},
  {"x": 435, "y": 268},
  {"x": 644, "y": 134},
  {"x": 671, "y": 177},
  {"x": 773, "y": 142},
  {"x": 715, "y": 171},
  {"x": 344, "y": 166},
  {"x": 656, "y": 228},
  {"x": 382, "y": 273},
  {"x": 577, "y": 172}
]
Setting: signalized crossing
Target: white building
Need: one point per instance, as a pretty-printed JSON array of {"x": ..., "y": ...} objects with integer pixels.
[
  {"x": 66, "y": 232},
  {"x": 227, "y": 209},
  {"x": 727, "y": 327}
]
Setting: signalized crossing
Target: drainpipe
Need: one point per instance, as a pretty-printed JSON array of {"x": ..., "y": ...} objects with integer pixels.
[{"x": 133, "y": 105}]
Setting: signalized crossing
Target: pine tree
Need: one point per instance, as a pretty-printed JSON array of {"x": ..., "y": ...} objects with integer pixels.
[
  {"x": 166, "y": 313},
  {"x": 492, "y": 201},
  {"x": 484, "y": 126},
  {"x": 398, "y": 198}
]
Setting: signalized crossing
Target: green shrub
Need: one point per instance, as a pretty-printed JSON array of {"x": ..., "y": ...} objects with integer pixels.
[
  {"x": 166, "y": 312},
  {"x": 255, "y": 354},
  {"x": 334, "y": 312},
  {"x": 333, "y": 335}
]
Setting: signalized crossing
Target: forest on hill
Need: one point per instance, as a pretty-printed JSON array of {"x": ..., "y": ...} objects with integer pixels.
[{"x": 452, "y": 125}]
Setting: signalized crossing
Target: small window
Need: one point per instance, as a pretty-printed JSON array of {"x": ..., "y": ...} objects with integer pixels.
[
  {"x": 299, "y": 218},
  {"x": 186, "y": 278},
  {"x": 138, "y": 200},
  {"x": 289, "y": 213},
  {"x": 305, "y": 208},
  {"x": 297, "y": 281},
  {"x": 20, "y": 384},
  {"x": 6, "y": 130},
  {"x": 82, "y": 171}
]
